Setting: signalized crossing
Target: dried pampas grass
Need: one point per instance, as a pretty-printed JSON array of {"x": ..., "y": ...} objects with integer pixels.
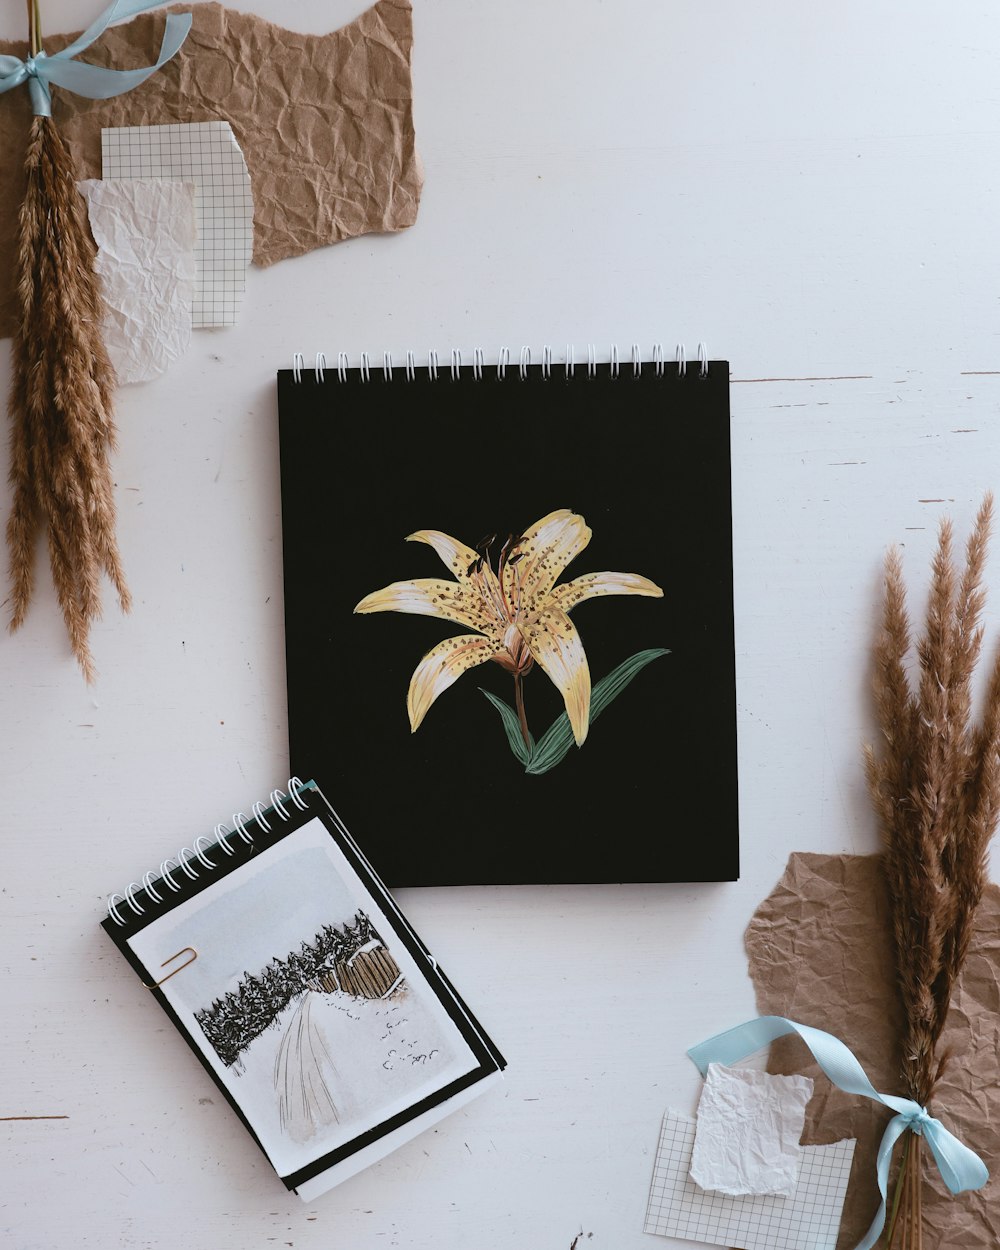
[
  {"x": 63, "y": 382},
  {"x": 935, "y": 786}
]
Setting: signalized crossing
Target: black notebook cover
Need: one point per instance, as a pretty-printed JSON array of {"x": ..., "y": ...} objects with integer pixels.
[{"x": 620, "y": 474}]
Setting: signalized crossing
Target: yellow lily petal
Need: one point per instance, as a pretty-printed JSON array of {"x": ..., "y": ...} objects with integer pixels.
[
  {"x": 552, "y": 639},
  {"x": 548, "y": 547},
  {"x": 590, "y": 585},
  {"x": 457, "y": 556},
  {"x": 427, "y": 596},
  {"x": 441, "y": 667}
]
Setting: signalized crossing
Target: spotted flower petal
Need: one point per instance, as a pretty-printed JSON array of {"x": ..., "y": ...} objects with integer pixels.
[
  {"x": 552, "y": 639},
  {"x": 548, "y": 546},
  {"x": 427, "y": 596},
  {"x": 457, "y": 556},
  {"x": 590, "y": 585},
  {"x": 469, "y": 569},
  {"x": 441, "y": 667}
]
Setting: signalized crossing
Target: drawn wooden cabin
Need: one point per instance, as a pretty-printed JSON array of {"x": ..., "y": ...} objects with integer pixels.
[{"x": 371, "y": 972}]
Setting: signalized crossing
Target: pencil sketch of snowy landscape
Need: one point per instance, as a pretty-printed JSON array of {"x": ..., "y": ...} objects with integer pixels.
[{"x": 333, "y": 1027}]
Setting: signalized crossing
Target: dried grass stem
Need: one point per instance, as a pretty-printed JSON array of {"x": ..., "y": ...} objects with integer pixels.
[
  {"x": 935, "y": 787},
  {"x": 62, "y": 430}
]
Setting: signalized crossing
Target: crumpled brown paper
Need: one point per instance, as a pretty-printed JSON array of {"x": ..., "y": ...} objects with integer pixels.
[
  {"x": 820, "y": 953},
  {"x": 325, "y": 121}
]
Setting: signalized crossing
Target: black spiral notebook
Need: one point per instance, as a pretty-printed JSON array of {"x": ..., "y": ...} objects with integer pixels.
[
  {"x": 287, "y": 967},
  {"x": 509, "y": 615}
]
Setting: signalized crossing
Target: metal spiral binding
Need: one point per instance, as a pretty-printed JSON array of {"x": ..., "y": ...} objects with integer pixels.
[
  {"x": 192, "y": 860},
  {"x": 657, "y": 362}
]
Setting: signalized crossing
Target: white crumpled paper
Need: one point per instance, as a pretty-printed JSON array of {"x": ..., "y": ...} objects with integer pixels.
[
  {"x": 145, "y": 233},
  {"x": 748, "y": 1131}
]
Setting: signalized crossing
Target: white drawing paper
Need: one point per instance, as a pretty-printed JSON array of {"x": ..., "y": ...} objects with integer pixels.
[
  {"x": 810, "y": 1217},
  {"x": 145, "y": 234},
  {"x": 748, "y": 1130},
  {"x": 304, "y": 1001},
  {"x": 207, "y": 154}
]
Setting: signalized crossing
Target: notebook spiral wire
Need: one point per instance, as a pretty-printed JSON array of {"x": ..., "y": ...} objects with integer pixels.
[
  {"x": 633, "y": 367},
  {"x": 192, "y": 860}
]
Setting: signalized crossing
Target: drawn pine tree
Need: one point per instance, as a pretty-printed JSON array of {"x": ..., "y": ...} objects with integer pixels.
[{"x": 231, "y": 1023}]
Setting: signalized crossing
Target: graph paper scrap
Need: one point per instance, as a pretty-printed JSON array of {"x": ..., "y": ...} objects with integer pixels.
[
  {"x": 207, "y": 154},
  {"x": 811, "y": 1217}
]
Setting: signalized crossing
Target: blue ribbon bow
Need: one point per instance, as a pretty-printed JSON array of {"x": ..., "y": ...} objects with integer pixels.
[
  {"x": 92, "y": 81},
  {"x": 961, "y": 1168}
]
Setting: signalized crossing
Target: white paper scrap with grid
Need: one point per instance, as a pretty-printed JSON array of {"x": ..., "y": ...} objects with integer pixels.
[
  {"x": 809, "y": 1220},
  {"x": 207, "y": 154}
]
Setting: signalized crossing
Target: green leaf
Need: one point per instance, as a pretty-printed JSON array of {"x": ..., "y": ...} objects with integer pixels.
[
  {"x": 512, "y": 727},
  {"x": 552, "y": 746},
  {"x": 555, "y": 743},
  {"x": 610, "y": 687}
]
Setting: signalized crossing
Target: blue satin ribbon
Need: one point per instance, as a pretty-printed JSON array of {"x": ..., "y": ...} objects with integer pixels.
[
  {"x": 961, "y": 1168},
  {"x": 92, "y": 81}
]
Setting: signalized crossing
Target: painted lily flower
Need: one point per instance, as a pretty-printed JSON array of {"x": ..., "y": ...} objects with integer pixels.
[{"x": 518, "y": 615}]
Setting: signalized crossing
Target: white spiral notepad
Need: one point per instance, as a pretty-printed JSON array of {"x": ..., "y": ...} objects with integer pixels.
[{"x": 285, "y": 964}]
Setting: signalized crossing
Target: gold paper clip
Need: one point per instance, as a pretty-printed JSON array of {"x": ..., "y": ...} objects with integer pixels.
[{"x": 179, "y": 968}]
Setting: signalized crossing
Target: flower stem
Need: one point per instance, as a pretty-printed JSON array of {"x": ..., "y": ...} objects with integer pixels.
[{"x": 519, "y": 701}]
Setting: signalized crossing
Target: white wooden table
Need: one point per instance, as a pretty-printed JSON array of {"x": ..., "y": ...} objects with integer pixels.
[{"x": 813, "y": 194}]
